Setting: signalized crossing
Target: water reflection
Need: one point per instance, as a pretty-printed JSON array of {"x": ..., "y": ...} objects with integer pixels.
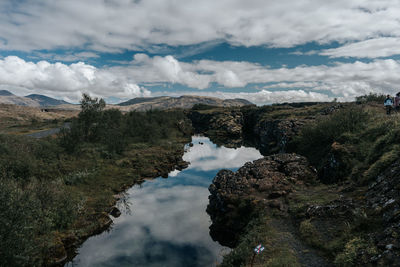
[{"x": 167, "y": 225}]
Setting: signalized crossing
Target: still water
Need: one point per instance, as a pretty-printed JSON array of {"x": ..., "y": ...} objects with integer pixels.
[{"x": 166, "y": 223}]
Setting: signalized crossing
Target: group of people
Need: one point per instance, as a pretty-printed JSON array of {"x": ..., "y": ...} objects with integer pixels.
[{"x": 391, "y": 103}]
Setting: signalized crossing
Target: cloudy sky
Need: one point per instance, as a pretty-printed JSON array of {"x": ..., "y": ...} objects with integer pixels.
[{"x": 265, "y": 51}]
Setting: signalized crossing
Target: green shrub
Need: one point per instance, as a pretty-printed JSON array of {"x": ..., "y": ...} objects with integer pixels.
[
  {"x": 371, "y": 97},
  {"x": 28, "y": 211},
  {"x": 310, "y": 234},
  {"x": 115, "y": 130},
  {"x": 349, "y": 255},
  {"x": 384, "y": 161},
  {"x": 315, "y": 140}
]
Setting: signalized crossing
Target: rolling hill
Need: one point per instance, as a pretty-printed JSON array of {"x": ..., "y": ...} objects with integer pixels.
[
  {"x": 186, "y": 101},
  {"x": 33, "y": 100},
  {"x": 46, "y": 101}
]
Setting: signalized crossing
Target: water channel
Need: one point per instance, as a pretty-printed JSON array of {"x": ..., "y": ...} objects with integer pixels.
[{"x": 166, "y": 223}]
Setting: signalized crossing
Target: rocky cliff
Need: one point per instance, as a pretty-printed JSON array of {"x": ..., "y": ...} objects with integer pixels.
[
  {"x": 282, "y": 201},
  {"x": 269, "y": 128},
  {"x": 383, "y": 201},
  {"x": 262, "y": 184}
]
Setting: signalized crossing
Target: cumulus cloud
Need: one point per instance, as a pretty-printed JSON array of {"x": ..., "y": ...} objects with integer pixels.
[
  {"x": 313, "y": 83},
  {"x": 302, "y": 83},
  {"x": 372, "y": 48},
  {"x": 66, "y": 81},
  {"x": 117, "y": 25}
]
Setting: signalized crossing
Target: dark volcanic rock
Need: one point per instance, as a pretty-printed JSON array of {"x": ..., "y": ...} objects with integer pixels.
[
  {"x": 274, "y": 135},
  {"x": 262, "y": 184},
  {"x": 383, "y": 197},
  {"x": 115, "y": 212},
  {"x": 227, "y": 123}
]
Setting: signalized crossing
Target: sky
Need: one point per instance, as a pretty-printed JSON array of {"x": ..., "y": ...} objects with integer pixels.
[{"x": 265, "y": 51}]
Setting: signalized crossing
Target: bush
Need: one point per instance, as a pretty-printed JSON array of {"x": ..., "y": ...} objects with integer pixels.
[
  {"x": 349, "y": 255},
  {"x": 310, "y": 234},
  {"x": 371, "y": 97},
  {"x": 114, "y": 130},
  {"x": 28, "y": 211},
  {"x": 315, "y": 140}
]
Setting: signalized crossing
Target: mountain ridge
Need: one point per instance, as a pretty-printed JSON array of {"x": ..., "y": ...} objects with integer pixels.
[
  {"x": 184, "y": 101},
  {"x": 44, "y": 100}
]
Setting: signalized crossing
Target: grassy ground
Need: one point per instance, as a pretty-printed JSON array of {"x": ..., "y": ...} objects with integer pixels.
[
  {"x": 23, "y": 120},
  {"x": 52, "y": 199}
]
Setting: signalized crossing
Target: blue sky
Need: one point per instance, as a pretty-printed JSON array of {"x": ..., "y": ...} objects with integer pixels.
[{"x": 263, "y": 51}]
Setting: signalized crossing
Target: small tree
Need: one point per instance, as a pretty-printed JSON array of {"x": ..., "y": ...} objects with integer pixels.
[{"x": 91, "y": 110}]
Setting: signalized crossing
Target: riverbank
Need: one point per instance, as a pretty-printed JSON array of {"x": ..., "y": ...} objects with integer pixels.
[
  {"x": 58, "y": 191},
  {"x": 165, "y": 222},
  {"x": 138, "y": 164},
  {"x": 347, "y": 217}
]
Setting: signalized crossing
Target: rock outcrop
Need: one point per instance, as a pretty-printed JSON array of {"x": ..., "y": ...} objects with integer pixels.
[
  {"x": 259, "y": 185},
  {"x": 224, "y": 123},
  {"x": 274, "y": 135},
  {"x": 383, "y": 198}
]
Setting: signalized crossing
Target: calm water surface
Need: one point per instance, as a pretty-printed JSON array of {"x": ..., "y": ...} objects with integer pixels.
[{"x": 166, "y": 223}]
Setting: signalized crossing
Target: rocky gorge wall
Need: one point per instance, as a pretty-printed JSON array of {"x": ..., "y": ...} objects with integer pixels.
[
  {"x": 260, "y": 185},
  {"x": 342, "y": 224},
  {"x": 268, "y": 128}
]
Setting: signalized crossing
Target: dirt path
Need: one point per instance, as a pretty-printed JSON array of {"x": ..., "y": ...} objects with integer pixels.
[{"x": 306, "y": 255}]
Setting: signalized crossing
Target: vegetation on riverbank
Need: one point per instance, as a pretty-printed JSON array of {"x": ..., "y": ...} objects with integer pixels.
[
  {"x": 350, "y": 145},
  {"x": 55, "y": 192},
  {"x": 58, "y": 191}
]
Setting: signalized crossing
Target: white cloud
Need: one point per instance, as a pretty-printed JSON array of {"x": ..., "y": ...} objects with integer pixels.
[
  {"x": 372, "y": 48},
  {"x": 342, "y": 80},
  {"x": 302, "y": 83},
  {"x": 117, "y": 25},
  {"x": 65, "y": 81}
]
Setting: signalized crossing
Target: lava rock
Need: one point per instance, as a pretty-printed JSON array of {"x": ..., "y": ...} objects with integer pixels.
[{"x": 263, "y": 183}]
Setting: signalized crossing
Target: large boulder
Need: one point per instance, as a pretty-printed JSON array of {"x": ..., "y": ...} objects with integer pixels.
[{"x": 261, "y": 185}]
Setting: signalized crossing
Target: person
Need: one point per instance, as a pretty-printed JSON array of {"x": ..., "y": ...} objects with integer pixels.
[
  {"x": 397, "y": 102},
  {"x": 388, "y": 104}
]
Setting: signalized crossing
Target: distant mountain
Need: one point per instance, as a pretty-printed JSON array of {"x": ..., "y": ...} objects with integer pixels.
[
  {"x": 5, "y": 93},
  {"x": 45, "y": 100},
  {"x": 139, "y": 100},
  {"x": 33, "y": 100},
  {"x": 18, "y": 100},
  {"x": 186, "y": 101}
]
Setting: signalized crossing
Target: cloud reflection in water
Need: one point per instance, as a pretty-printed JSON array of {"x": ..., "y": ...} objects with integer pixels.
[{"x": 168, "y": 225}]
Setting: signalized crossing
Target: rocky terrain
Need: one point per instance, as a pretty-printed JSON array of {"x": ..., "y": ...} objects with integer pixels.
[
  {"x": 262, "y": 184},
  {"x": 269, "y": 128},
  {"x": 341, "y": 210},
  {"x": 383, "y": 201}
]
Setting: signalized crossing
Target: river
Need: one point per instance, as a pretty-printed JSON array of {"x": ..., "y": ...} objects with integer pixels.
[{"x": 164, "y": 221}]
